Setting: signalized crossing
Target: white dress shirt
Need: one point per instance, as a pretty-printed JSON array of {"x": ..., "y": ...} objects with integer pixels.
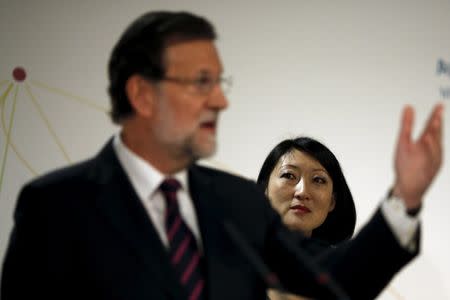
[
  {"x": 402, "y": 225},
  {"x": 146, "y": 180}
]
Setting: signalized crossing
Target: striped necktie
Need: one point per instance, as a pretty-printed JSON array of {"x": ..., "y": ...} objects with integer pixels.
[{"x": 183, "y": 251}]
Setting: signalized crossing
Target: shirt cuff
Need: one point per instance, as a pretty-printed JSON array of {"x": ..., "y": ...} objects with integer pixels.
[{"x": 403, "y": 225}]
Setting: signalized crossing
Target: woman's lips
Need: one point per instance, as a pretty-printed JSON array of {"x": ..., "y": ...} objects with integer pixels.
[{"x": 300, "y": 209}]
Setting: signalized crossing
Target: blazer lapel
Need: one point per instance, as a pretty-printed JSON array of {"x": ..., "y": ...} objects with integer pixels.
[{"x": 119, "y": 204}]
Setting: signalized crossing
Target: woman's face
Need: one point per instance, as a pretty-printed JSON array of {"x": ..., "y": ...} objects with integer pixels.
[{"x": 301, "y": 190}]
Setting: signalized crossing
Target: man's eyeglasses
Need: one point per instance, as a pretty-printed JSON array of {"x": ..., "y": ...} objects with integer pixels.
[{"x": 204, "y": 84}]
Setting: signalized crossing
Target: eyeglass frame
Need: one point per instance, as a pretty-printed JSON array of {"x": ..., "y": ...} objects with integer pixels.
[{"x": 204, "y": 87}]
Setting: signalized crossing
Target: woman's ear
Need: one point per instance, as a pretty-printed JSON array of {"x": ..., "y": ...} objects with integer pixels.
[
  {"x": 141, "y": 94},
  {"x": 333, "y": 203}
]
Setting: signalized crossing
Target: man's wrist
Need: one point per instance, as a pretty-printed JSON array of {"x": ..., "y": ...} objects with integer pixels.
[
  {"x": 402, "y": 224},
  {"x": 412, "y": 211}
]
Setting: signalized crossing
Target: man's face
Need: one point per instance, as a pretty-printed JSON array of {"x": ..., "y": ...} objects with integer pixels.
[{"x": 186, "y": 118}]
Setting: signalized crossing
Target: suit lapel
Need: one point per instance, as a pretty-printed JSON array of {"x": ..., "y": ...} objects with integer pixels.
[
  {"x": 120, "y": 206},
  {"x": 210, "y": 220}
]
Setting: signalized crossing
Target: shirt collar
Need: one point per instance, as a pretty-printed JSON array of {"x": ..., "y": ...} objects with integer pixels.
[{"x": 144, "y": 177}]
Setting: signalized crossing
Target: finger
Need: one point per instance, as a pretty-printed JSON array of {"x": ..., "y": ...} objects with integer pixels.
[
  {"x": 404, "y": 138},
  {"x": 438, "y": 123},
  {"x": 433, "y": 148},
  {"x": 431, "y": 139},
  {"x": 434, "y": 124}
]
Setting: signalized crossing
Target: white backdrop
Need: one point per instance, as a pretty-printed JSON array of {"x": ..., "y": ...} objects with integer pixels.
[{"x": 339, "y": 71}]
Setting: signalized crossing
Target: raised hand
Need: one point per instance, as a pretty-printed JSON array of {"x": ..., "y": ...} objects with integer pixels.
[{"x": 418, "y": 162}]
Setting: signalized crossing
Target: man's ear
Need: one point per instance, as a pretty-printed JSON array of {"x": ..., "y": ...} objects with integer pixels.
[{"x": 141, "y": 94}]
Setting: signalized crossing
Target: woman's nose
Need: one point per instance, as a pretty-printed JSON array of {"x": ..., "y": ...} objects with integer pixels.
[{"x": 301, "y": 190}]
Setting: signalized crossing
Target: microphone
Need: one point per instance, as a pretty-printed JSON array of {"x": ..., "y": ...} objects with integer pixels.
[
  {"x": 271, "y": 280},
  {"x": 320, "y": 276},
  {"x": 268, "y": 276}
]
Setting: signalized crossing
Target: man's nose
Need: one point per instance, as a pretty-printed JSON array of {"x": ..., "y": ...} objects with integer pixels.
[{"x": 217, "y": 99}]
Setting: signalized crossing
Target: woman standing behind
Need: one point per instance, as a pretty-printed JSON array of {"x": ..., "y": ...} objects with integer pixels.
[{"x": 304, "y": 183}]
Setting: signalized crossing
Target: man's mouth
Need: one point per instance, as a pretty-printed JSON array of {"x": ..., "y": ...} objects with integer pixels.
[{"x": 211, "y": 125}]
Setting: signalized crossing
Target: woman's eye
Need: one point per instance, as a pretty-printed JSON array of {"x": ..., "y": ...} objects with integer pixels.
[
  {"x": 288, "y": 176},
  {"x": 320, "y": 180}
]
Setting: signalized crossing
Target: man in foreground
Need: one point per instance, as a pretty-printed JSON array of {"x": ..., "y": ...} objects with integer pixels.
[{"x": 142, "y": 221}]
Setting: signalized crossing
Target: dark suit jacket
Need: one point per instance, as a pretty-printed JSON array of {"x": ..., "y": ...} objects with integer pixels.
[{"x": 82, "y": 233}]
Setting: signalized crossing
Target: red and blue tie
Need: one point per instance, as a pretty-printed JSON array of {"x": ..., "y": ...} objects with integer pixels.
[{"x": 183, "y": 251}]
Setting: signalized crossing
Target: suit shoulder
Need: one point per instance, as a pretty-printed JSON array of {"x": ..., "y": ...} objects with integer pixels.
[
  {"x": 63, "y": 175},
  {"x": 223, "y": 175},
  {"x": 234, "y": 184}
]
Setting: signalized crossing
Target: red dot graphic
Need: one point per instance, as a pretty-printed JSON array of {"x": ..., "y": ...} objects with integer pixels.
[{"x": 19, "y": 74}]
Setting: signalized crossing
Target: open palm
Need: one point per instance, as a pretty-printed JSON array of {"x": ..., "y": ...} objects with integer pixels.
[{"x": 418, "y": 162}]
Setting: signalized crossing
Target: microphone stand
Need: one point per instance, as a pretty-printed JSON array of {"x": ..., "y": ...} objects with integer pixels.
[{"x": 269, "y": 277}]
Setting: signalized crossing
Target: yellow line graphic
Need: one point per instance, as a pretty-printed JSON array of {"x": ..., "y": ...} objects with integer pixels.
[
  {"x": 47, "y": 122},
  {"x": 11, "y": 144},
  {"x": 5, "y": 95},
  {"x": 18, "y": 83},
  {"x": 81, "y": 100},
  {"x": 8, "y": 134},
  {"x": 3, "y": 82}
]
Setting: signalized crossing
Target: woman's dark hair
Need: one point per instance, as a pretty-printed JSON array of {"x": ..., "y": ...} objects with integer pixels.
[
  {"x": 340, "y": 222},
  {"x": 140, "y": 50}
]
